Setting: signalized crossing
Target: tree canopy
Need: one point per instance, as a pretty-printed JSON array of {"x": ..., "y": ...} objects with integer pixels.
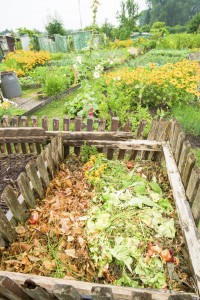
[
  {"x": 127, "y": 18},
  {"x": 172, "y": 12},
  {"x": 55, "y": 25}
]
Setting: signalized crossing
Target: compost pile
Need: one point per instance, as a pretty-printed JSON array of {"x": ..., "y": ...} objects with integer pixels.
[
  {"x": 107, "y": 222},
  {"x": 10, "y": 167}
]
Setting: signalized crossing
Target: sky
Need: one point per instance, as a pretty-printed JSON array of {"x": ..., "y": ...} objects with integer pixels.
[{"x": 33, "y": 14}]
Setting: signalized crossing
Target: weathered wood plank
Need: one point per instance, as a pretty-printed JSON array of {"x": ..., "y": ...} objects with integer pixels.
[
  {"x": 34, "y": 121},
  {"x": 190, "y": 162},
  {"x": 2, "y": 243},
  {"x": 23, "y": 147},
  {"x": 22, "y": 132},
  {"x": 183, "y": 156},
  {"x": 11, "y": 290},
  {"x": 127, "y": 126},
  {"x": 129, "y": 145},
  {"x": 90, "y": 122},
  {"x": 187, "y": 223},
  {"x": 7, "y": 232},
  {"x": 87, "y": 135},
  {"x": 47, "y": 154},
  {"x": 196, "y": 207},
  {"x": 14, "y": 121},
  {"x": 114, "y": 124},
  {"x": 193, "y": 184},
  {"x": 152, "y": 132},
  {"x": 65, "y": 292},
  {"x": 6, "y": 121},
  {"x": 102, "y": 125},
  {"x": 56, "y": 124},
  {"x": 43, "y": 171},
  {"x": 35, "y": 291},
  {"x": 26, "y": 190},
  {"x": 19, "y": 210},
  {"x": 141, "y": 296},
  {"x": 35, "y": 179},
  {"x": 180, "y": 297},
  {"x": 84, "y": 288},
  {"x": 24, "y": 121},
  {"x": 66, "y": 127},
  {"x": 179, "y": 145},
  {"x": 45, "y": 123},
  {"x": 77, "y": 127},
  {"x": 171, "y": 134},
  {"x": 177, "y": 131},
  {"x": 9, "y": 147},
  {"x": 55, "y": 155},
  {"x": 60, "y": 148},
  {"x": 99, "y": 293}
]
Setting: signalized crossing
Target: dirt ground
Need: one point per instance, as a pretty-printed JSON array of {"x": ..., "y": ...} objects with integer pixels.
[{"x": 10, "y": 168}]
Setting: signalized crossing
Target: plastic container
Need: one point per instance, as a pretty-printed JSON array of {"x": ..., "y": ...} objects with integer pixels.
[{"x": 10, "y": 85}]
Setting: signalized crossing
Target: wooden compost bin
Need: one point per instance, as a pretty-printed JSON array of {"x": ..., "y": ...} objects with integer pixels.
[{"x": 165, "y": 139}]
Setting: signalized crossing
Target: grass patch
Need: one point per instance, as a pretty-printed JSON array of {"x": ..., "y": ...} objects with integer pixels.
[
  {"x": 54, "y": 109},
  {"x": 189, "y": 117},
  {"x": 197, "y": 155}
]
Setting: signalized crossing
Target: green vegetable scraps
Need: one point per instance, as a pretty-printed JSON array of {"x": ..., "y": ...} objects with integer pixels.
[{"x": 129, "y": 216}]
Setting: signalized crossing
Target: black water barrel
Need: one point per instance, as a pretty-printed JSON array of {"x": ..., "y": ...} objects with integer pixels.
[{"x": 10, "y": 85}]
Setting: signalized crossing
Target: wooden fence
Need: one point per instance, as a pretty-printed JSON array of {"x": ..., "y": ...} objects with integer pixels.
[{"x": 166, "y": 139}]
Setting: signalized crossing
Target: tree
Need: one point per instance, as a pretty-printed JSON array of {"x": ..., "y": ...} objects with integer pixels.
[
  {"x": 158, "y": 29},
  {"x": 127, "y": 18},
  {"x": 55, "y": 25},
  {"x": 194, "y": 24},
  {"x": 108, "y": 29},
  {"x": 172, "y": 12}
]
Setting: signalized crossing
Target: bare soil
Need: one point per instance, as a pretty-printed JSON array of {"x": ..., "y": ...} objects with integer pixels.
[{"x": 10, "y": 168}]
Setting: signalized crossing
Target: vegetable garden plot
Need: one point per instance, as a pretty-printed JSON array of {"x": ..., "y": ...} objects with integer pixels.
[{"x": 107, "y": 222}]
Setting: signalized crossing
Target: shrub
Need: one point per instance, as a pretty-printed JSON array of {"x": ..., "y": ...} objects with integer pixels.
[
  {"x": 23, "y": 61},
  {"x": 121, "y": 44},
  {"x": 179, "y": 41}
]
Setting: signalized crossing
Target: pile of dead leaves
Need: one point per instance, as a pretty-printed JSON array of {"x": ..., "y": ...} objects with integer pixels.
[{"x": 52, "y": 242}]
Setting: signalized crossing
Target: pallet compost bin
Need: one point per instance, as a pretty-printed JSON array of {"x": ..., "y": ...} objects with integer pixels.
[{"x": 165, "y": 140}]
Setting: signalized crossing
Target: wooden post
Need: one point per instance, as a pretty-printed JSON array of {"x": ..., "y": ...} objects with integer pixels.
[
  {"x": 65, "y": 292},
  {"x": 56, "y": 124},
  {"x": 35, "y": 180},
  {"x": 90, "y": 123},
  {"x": 77, "y": 123},
  {"x": 114, "y": 127},
  {"x": 6, "y": 122},
  {"x": 34, "y": 121},
  {"x": 19, "y": 210},
  {"x": 24, "y": 121},
  {"x": 102, "y": 293},
  {"x": 45, "y": 123},
  {"x": 66, "y": 125}
]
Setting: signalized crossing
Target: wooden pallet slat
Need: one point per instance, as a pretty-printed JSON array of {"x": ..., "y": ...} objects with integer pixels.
[
  {"x": 183, "y": 156},
  {"x": 35, "y": 180},
  {"x": 180, "y": 141},
  {"x": 141, "y": 296},
  {"x": 66, "y": 127},
  {"x": 102, "y": 293},
  {"x": 47, "y": 154},
  {"x": 56, "y": 124},
  {"x": 184, "y": 212},
  {"x": 90, "y": 123},
  {"x": 10, "y": 290},
  {"x": 193, "y": 184},
  {"x": 43, "y": 170},
  {"x": 19, "y": 210},
  {"x": 77, "y": 127},
  {"x": 196, "y": 207},
  {"x": 34, "y": 121},
  {"x": 45, "y": 125},
  {"x": 6, "y": 230},
  {"x": 66, "y": 292},
  {"x": 24, "y": 121},
  {"x": 26, "y": 190},
  {"x": 190, "y": 162},
  {"x": 35, "y": 291}
]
